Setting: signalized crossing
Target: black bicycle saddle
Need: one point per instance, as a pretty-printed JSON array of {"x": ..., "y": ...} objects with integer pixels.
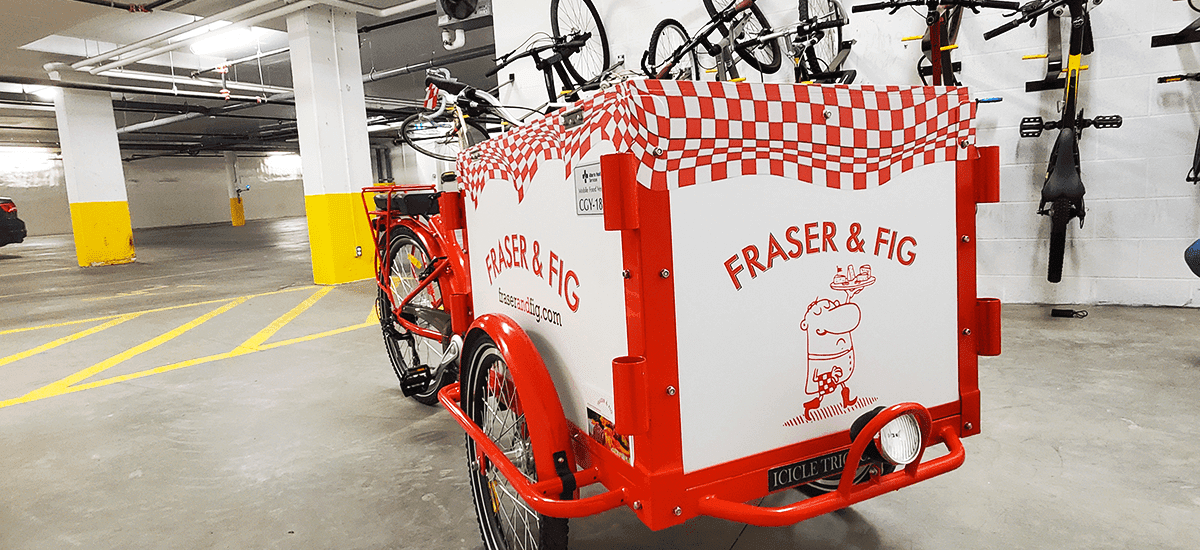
[{"x": 1063, "y": 180}]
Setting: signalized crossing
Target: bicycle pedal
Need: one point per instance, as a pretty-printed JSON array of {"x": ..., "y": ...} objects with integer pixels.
[
  {"x": 417, "y": 379},
  {"x": 1109, "y": 121},
  {"x": 1031, "y": 126}
]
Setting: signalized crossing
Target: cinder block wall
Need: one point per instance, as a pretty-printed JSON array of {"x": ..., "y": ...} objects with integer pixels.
[{"x": 1141, "y": 214}]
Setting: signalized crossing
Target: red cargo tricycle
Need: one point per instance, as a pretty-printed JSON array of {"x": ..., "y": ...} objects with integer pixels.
[{"x": 697, "y": 293}]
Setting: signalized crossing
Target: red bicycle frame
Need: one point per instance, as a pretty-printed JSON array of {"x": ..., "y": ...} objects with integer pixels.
[{"x": 437, "y": 233}]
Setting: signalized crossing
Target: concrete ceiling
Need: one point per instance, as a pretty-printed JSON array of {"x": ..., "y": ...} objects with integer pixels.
[{"x": 69, "y": 28}]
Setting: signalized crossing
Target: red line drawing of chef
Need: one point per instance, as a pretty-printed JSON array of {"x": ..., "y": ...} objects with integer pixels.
[{"x": 829, "y": 325}]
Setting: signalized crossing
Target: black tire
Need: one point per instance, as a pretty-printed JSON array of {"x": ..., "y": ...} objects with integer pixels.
[
  {"x": 1060, "y": 214},
  {"x": 406, "y": 257},
  {"x": 667, "y": 37},
  {"x": 1195, "y": 4},
  {"x": 438, "y": 138},
  {"x": 765, "y": 58},
  {"x": 490, "y": 400},
  {"x": 830, "y": 484},
  {"x": 816, "y": 58},
  {"x": 567, "y": 16}
]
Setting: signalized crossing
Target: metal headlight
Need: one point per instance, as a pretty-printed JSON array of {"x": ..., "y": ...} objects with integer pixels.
[{"x": 900, "y": 440}]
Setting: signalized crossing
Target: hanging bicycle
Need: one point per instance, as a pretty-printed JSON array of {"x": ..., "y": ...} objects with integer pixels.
[
  {"x": 1063, "y": 189},
  {"x": 672, "y": 54}
]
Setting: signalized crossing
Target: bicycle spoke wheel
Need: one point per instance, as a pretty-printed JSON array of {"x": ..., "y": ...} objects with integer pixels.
[
  {"x": 764, "y": 58},
  {"x": 492, "y": 401},
  {"x": 406, "y": 259},
  {"x": 667, "y": 37},
  {"x": 1195, "y": 4},
  {"x": 439, "y": 138},
  {"x": 579, "y": 16},
  {"x": 817, "y": 56}
]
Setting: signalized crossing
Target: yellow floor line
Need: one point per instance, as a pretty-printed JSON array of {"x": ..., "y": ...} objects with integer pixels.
[
  {"x": 175, "y": 366},
  {"x": 373, "y": 317},
  {"x": 156, "y": 310},
  {"x": 56, "y": 388},
  {"x": 255, "y": 342},
  {"x": 67, "y": 339}
]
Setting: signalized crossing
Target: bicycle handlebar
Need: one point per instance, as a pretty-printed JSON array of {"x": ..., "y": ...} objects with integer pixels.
[
  {"x": 1027, "y": 17},
  {"x": 570, "y": 46},
  {"x": 450, "y": 85},
  {"x": 973, "y": 4}
]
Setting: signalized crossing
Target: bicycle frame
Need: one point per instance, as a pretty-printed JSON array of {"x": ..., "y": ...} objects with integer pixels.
[
  {"x": 722, "y": 50},
  {"x": 553, "y": 65},
  {"x": 448, "y": 255}
]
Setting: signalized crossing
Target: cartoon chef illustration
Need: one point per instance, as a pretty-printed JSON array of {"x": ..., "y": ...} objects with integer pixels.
[{"x": 829, "y": 324}]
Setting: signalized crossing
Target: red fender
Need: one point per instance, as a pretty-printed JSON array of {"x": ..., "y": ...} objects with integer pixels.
[{"x": 539, "y": 399}]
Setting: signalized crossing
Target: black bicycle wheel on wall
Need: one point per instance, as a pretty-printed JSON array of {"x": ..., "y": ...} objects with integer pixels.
[
  {"x": 667, "y": 37},
  {"x": 570, "y": 16},
  {"x": 764, "y": 58}
]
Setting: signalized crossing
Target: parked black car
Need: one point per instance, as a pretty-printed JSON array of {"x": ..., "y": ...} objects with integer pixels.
[{"x": 12, "y": 229}]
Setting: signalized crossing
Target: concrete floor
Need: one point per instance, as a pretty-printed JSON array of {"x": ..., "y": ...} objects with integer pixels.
[{"x": 200, "y": 425}]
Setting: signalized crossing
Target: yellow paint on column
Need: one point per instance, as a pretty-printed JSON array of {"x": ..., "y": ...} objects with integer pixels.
[
  {"x": 339, "y": 238},
  {"x": 237, "y": 212},
  {"x": 103, "y": 233}
]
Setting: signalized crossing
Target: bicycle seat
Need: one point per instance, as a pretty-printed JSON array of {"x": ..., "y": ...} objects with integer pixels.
[
  {"x": 1063, "y": 180},
  {"x": 408, "y": 204}
]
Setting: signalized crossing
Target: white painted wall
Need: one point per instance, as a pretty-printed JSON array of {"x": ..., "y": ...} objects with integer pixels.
[
  {"x": 162, "y": 192},
  {"x": 1141, "y": 212}
]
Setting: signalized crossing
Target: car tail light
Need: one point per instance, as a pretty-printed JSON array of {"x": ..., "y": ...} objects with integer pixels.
[{"x": 8, "y": 207}]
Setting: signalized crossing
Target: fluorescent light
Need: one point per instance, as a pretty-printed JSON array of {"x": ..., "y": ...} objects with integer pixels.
[{"x": 227, "y": 41}]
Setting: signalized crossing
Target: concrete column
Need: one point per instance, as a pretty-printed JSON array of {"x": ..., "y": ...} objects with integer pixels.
[
  {"x": 335, "y": 153},
  {"x": 237, "y": 212},
  {"x": 95, "y": 179}
]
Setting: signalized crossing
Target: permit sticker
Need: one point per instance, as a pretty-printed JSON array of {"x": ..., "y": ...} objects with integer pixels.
[
  {"x": 589, "y": 200},
  {"x": 601, "y": 429}
]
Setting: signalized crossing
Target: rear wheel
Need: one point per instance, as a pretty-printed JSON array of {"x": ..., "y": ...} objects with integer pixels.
[
  {"x": 439, "y": 137},
  {"x": 490, "y": 399},
  {"x": 764, "y": 58},
  {"x": 570, "y": 16},
  {"x": 1195, "y": 4},
  {"x": 406, "y": 260},
  {"x": 667, "y": 37},
  {"x": 1060, "y": 215}
]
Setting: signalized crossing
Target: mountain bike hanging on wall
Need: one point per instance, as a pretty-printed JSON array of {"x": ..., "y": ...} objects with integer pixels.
[
  {"x": 424, "y": 297},
  {"x": 942, "y": 18},
  {"x": 815, "y": 43},
  {"x": 1063, "y": 190},
  {"x": 672, "y": 54}
]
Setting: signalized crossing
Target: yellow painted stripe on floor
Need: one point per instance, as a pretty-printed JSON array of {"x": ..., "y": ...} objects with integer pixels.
[
  {"x": 182, "y": 364},
  {"x": 57, "y": 388},
  {"x": 155, "y": 310},
  {"x": 373, "y": 317},
  {"x": 255, "y": 342},
  {"x": 68, "y": 339}
]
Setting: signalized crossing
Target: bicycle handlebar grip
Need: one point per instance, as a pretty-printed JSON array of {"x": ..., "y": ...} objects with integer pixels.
[
  {"x": 492, "y": 71},
  {"x": 450, "y": 85},
  {"x": 871, "y": 7},
  {"x": 742, "y": 5},
  {"x": 1004, "y": 28},
  {"x": 1000, "y": 4},
  {"x": 828, "y": 24}
]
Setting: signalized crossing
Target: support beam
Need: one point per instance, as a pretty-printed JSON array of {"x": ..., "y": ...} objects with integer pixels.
[
  {"x": 331, "y": 121},
  {"x": 95, "y": 180}
]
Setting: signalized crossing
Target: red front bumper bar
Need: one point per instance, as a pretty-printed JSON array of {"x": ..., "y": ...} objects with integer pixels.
[{"x": 847, "y": 493}]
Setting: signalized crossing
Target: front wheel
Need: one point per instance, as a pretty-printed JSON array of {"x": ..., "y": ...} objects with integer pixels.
[
  {"x": 491, "y": 400},
  {"x": 668, "y": 37},
  {"x": 440, "y": 137},
  {"x": 406, "y": 260},
  {"x": 579, "y": 16},
  {"x": 1060, "y": 215},
  {"x": 764, "y": 58}
]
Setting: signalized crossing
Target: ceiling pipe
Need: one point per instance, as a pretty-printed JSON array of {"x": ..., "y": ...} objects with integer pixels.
[
  {"x": 127, "y": 89},
  {"x": 265, "y": 16},
  {"x": 248, "y": 58},
  {"x": 231, "y": 13},
  {"x": 132, "y": 8},
  {"x": 194, "y": 81}
]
